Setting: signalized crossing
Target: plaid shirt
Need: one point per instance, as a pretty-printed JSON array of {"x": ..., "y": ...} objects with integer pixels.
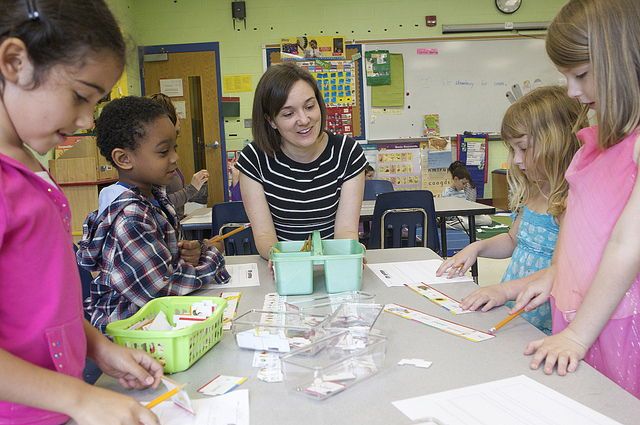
[{"x": 133, "y": 246}]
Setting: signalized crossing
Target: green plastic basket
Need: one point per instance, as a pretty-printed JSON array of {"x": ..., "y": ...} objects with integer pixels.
[
  {"x": 175, "y": 350},
  {"x": 342, "y": 260}
]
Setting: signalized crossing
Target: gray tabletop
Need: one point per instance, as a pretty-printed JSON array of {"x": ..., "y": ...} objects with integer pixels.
[{"x": 457, "y": 362}]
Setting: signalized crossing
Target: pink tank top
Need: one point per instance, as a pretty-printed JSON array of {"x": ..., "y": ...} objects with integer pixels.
[{"x": 600, "y": 184}]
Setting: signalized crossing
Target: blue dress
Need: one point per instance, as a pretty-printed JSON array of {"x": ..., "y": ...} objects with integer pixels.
[{"x": 536, "y": 237}]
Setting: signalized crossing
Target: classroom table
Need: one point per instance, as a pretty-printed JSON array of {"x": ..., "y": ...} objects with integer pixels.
[
  {"x": 446, "y": 207},
  {"x": 197, "y": 223},
  {"x": 457, "y": 362}
]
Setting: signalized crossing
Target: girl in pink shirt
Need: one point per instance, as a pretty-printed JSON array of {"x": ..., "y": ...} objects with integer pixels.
[
  {"x": 58, "y": 58},
  {"x": 594, "y": 283}
]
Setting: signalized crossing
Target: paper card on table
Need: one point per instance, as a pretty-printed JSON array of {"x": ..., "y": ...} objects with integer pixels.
[
  {"x": 438, "y": 323},
  {"x": 274, "y": 302},
  {"x": 425, "y": 364},
  {"x": 221, "y": 384},
  {"x": 233, "y": 298},
  {"x": 438, "y": 297},
  {"x": 231, "y": 408},
  {"x": 516, "y": 401},
  {"x": 181, "y": 399},
  {"x": 400, "y": 273},
  {"x": 270, "y": 366},
  {"x": 242, "y": 275}
]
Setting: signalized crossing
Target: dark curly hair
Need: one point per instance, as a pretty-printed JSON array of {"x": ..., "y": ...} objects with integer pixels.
[{"x": 123, "y": 122}]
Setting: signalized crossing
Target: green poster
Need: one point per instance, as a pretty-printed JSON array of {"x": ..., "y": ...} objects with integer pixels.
[{"x": 378, "y": 67}]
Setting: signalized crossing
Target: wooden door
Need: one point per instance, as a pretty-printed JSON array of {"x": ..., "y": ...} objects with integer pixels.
[{"x": 199, "y": 142}]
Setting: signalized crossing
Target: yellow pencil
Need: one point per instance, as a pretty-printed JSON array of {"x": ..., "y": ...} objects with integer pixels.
[
  {"x": 221, "y": 237},
  {"x": 505, "y": 321},
  {"x": 307, "y": 244},
  {"x": 166, "y": 396}
]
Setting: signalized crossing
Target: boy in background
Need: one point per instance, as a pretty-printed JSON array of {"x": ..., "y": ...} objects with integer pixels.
[{"x": 132, "y": 239}]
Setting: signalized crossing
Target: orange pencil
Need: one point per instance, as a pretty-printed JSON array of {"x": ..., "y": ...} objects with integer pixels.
[
  {"x": 166, "y": 396},
  {"x": 505, "y": 321},
  {"x": 221, "y": 237}
]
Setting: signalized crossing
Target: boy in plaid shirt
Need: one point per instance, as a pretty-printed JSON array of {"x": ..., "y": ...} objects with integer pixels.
[{"x": 132, "y": 239}]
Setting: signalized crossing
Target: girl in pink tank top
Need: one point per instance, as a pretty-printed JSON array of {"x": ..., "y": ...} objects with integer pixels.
[
  {"x": 594, "y": 282},
  {"x": 58, "y": 58}
]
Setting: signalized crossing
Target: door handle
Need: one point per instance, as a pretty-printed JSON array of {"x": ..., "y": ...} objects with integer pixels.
[{"x": 214, "y": 145}]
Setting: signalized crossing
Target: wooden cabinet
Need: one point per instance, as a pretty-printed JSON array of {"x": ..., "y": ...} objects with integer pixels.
[
  {"x": 79, "y": 171},
  {"x": 500, "y": 189}
]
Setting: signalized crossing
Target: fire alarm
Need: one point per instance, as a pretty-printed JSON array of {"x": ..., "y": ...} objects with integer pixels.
[{"x": 431, "y": 21}]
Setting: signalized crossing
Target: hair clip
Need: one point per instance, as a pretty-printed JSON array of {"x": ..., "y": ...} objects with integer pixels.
[{"x": 32, "y": 10}]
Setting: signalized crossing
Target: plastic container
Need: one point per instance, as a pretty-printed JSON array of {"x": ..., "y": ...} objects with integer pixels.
[
  {"x": 277, "y": 330},
  {"x": 355, "y": 317},
  {"x": 333, "y": 363},
  {"x": 293, "y": 269},
  {"x": 327, "y": 304},
  {"x": 175, "y": 350}
]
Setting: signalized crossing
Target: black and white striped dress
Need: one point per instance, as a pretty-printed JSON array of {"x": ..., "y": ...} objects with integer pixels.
[{"x": 304, "y": 197}]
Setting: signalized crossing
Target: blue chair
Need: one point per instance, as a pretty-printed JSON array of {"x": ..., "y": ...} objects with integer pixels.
[
  {"x": 227, "y": 216},
  {"x": 374, "y": 187},
  {"x": 91, "y": 371},
  {"x": 404, "y": 218}
]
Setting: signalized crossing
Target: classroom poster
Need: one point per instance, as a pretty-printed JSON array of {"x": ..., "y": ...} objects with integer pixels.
[
  {"x": 311, "y": 47},
  {"x": 371, "y": 153},
  {"x": 431, "y": 125},
  {"x": 439, "y": 152},
  {"x": 473, "y": 150},
  {"x": 433, "y": 179},
  {"x": 337, "y": 82},
  {"x": 400, "y": 164},
  {"x": 378, "y": 67},
  {"x": 340, "y": 120}
]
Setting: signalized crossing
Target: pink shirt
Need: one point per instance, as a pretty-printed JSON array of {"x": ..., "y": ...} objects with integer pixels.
[
  {"x": 41, "y": 319},
  {"x": 600, "y": 184}
]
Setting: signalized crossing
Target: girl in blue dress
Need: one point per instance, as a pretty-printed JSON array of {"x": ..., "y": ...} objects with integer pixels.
[{"x": 539, "y": 131}]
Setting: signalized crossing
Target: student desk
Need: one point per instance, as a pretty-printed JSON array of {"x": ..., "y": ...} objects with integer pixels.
[
  {"x": 446, "y": 207},
  {"x": 457, "y": 362},
  {"x": 196, "y": 223}
]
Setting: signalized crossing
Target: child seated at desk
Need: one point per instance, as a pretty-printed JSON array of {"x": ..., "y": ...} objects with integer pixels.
[
  {"x": 463, "y": 187},
  {"x": 132, "y": 239}
]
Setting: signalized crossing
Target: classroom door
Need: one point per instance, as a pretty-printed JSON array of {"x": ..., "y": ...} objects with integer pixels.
[{"x": 199, "y": 142}]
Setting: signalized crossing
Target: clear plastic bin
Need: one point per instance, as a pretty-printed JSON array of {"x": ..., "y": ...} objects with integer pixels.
[
  {"x": 276, "y": 330},
  {"x": 355, "y": 317},
  {"x": 327, "y": 304},
  {"x": 293, "y": 268},
  {"x": 332, "y": 364}
]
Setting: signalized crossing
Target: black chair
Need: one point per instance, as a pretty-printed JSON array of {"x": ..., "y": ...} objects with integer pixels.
[
  {"x": 373, "y": 188},
  {"x": 91, "y": 371},
  {"x": 404, "y": 218},
  {"x": 228, "y": 216}
]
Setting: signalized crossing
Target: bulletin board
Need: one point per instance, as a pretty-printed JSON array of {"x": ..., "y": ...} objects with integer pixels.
[
  {"x": 463, "y": 80},
  {"x": 355, "y": 102}
]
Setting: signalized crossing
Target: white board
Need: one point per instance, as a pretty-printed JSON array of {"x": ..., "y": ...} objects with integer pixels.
[{"x": 465, "y": 82}]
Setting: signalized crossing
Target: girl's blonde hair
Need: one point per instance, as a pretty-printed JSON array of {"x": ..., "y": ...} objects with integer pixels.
[
  {"x": 605, "y": 33},
  {"x": 548, "y": 117}
]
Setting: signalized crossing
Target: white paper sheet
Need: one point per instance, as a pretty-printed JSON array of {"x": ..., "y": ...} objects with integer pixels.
[
  {"x": 230, "y": 408},
  {"x": 242, "y": 275},
  {"x": 397, "y": 274},
  {"x": 515, "y": 401}
]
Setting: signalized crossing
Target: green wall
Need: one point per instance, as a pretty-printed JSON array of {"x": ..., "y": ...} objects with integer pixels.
[{"x": 156, "y": 22}]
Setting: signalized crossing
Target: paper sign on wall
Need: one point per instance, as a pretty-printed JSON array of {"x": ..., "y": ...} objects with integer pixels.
[{"x": 172, "y": 87}]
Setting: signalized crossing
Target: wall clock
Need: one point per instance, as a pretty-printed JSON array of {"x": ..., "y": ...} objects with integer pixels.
[{"x": 508, "y": 6}]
